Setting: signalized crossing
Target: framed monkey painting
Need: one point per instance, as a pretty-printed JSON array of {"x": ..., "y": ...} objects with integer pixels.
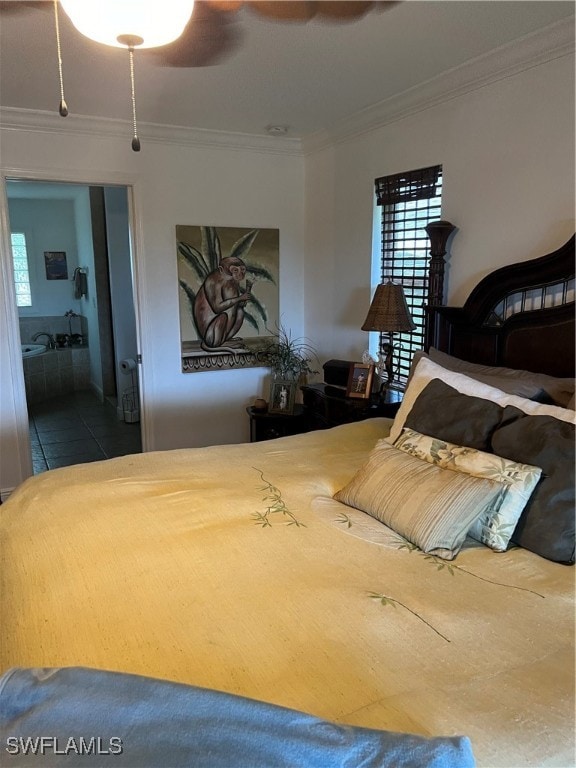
[{"x": 228, "y": 295}]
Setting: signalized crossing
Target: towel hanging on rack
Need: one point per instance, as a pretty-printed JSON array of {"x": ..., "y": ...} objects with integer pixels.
[{"x": 80, "y": 283}]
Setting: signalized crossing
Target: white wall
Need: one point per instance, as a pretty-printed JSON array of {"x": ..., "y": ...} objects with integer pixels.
[
  {"x": 175, "y": 184},
  {"x": 507, "y": 152}
]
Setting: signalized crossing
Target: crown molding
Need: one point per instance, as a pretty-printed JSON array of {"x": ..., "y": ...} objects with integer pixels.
[
  {"x": 552, "y": 42},
  {"x": 41, "y": 121}
]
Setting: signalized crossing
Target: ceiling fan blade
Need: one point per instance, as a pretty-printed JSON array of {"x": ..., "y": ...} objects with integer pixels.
[
  {"x": 209, "y": 37},
  {"x": 339, "y": 9},
  {"x": 304, "y": 10},
  {"x": 285, "y": 10},
  {"x": 227, "y": 5},
  {"x": 12, "y": 7}
]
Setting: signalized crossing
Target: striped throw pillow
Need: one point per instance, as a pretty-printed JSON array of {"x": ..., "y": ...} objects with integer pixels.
[{"x": 429, "y": 506}]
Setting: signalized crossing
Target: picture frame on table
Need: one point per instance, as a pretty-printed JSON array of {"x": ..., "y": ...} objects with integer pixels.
[
  {"x": 282, "y": 397},
  {"x": 360, "y": 380}
]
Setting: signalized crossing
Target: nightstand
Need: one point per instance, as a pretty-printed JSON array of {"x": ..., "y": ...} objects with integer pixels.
[
  {"x": 327, "y": 406},
  {"x": 267, "y": 426}
]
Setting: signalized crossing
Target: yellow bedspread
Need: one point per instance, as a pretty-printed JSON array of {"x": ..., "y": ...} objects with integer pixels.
[{"x": 232, "y": 568}]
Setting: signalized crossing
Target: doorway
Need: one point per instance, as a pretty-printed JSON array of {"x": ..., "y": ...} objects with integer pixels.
[{"x": 82, "y": 389}]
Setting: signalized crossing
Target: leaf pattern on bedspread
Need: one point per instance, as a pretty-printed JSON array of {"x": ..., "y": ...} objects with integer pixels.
[
  {"x": 276, "y": 505},
  {"x": 387, "y": 600},
  {"x": 439, "y": 563},
  {"x": 451, "y": 568},
  {"x": 345, "y": 519}
]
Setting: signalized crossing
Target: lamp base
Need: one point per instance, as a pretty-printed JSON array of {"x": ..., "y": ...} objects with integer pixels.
[{"x": 390, "y": 392}]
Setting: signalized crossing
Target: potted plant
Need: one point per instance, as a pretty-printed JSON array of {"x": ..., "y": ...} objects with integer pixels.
[{"x": 291, "y": 362}]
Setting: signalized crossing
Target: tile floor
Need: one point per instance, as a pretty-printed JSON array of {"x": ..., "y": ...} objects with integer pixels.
[{"x": 76, "y": 428}]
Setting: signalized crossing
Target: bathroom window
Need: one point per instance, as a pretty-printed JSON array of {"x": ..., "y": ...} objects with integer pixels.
[{"x": 21, "y": 272}]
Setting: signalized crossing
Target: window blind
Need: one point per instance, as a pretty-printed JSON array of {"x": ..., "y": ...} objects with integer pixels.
[{"x": 409, "y": 201}]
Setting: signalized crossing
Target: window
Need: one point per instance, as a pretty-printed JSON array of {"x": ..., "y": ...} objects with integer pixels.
[
  {"x": 408, "y": 201},
  {"x": 21, "y": 273}
]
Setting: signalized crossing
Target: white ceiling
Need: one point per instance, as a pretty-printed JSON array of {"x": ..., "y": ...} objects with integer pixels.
[{"x": 306, "y": 76}]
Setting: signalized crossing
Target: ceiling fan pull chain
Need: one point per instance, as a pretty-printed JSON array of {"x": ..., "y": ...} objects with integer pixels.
[
  {"x": 135, "y": 139},
  {"x": 63, "y": 107}
]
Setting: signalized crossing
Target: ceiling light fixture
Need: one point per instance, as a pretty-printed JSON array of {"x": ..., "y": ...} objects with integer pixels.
[
  {"x": 126, "y": 24},
  {"x": 151, "y": 22}
]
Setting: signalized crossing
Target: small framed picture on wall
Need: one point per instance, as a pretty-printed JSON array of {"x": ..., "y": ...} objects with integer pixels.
[
  {"x": 360, "y": 380},
  {"x": 56, "y": 266}
]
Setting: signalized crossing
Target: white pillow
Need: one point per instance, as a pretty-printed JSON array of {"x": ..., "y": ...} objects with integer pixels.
[{"x": 426, "y": 370}]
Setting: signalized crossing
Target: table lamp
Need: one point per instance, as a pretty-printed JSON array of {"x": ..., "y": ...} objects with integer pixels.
[{"x": 389, "y": 314}]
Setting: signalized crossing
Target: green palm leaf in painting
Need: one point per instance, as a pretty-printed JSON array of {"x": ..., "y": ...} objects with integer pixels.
[
  {"x": 259, "y": 307},
  {"x": 256, "y": 304},
  {"x": 259, "y": 273},
  {"x": 211, "y": 250},
  {"x": 251, "y": 320},
  {"x": 191, "y": 299},
  {"x": 194, "y": 259},
  {"x": 243, "y": 245}
]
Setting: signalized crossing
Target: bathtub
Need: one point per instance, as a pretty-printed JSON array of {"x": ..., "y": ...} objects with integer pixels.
[
  {"x": 54, "y": 372},
  {"x": 30, "y": 350}
]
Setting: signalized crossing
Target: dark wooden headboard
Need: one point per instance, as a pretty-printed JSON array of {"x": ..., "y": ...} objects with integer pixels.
[{"x": 519, "y": 316}]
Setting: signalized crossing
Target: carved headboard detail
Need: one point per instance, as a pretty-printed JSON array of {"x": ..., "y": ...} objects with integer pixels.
[{"x": 519, "y": 316}]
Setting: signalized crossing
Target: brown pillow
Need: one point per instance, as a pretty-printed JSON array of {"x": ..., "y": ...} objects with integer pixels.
[
  {"x": 442, "y": 412},
  {"x": 533, "y": 386},
  {"x": 546, "y": 525}
]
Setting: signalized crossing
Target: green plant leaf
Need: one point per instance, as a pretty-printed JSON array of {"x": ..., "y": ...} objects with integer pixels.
[
  {"x": 250, "y": 319},
  {"x": 383, "y": 599},
  {"x": 191, "y": 296},
  {"x": 194, "y": 259},
  {"x": 243, "y": 245},
  {"x": 259, "y": 307},
  {"x": 211, "y": 247},
  {"x": 260, "y": 273},
  {"x": 278, "y": 505},
  {"x": 288, "y": 357}
]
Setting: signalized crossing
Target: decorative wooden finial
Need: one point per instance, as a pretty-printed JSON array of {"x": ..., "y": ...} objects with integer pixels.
[{"x": 438, "y": 232}]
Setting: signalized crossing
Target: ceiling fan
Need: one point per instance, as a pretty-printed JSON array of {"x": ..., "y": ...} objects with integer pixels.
[
  {"x": 209, "y": 35},
  {"x": 213, "y": 31}
]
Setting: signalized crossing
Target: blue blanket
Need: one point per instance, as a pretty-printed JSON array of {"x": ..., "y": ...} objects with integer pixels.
[{"x": 84, "y": 717}]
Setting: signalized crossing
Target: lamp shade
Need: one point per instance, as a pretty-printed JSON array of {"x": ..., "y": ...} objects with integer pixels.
[
  {"x": 389, "y": 311},
  {"x": 155, "y": 23}
]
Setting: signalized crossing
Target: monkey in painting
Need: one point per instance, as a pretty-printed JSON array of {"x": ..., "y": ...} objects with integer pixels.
[{"x": 219, "y": 306}]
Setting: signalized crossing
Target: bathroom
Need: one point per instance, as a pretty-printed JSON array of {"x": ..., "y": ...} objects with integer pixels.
[{"x": 76, "y": 315}]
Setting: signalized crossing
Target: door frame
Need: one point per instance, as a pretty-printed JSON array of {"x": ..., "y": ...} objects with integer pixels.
[{"x": 86, "y": 178}]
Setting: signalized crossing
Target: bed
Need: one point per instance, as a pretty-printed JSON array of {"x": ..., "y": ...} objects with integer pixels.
[{"x": 319, "y": 600}]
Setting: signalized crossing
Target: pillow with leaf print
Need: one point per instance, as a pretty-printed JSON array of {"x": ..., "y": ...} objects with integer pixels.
[{"x": 496, "y": 524}]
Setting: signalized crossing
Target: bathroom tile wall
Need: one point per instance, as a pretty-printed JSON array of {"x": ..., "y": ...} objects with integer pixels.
[{"x": 52, "y": 324}]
